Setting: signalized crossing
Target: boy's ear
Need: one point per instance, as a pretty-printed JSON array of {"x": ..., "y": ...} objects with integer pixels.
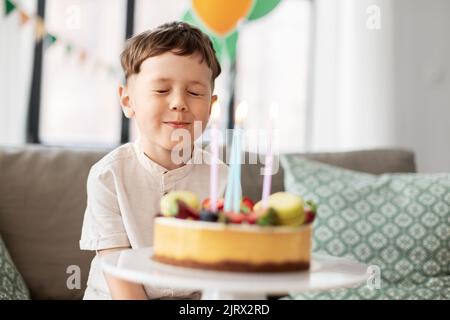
[
  {"x": 213, "y": 99},
  {"x": 125, "y": 101}
]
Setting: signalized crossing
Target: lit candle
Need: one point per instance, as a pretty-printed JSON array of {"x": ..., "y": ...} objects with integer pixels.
[
  {"x": 241, "y": 113},
  {"x": 233, "y": 193},
  {"x": 229, "y": 192},
  {"x": 269, "y": 157},
  {"x": 215, "y": 114}
]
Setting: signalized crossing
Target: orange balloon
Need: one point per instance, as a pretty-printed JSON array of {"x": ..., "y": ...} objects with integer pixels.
[{"x": 222, "y": 16}]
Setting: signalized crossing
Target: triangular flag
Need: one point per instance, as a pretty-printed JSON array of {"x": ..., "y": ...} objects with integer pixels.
[
  {"x": 9, "y": 6},
  {"x": 82, "y": 56},
  {"x": 69, "y": 48},
  {"x": 50, "y": 39},
  {"x": 23, "y": 16},
  {"x": 40, "y": 29}
]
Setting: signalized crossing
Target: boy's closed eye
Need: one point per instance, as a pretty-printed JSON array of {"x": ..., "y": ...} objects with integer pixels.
[
  {"x": 191, "y": 92},
  {"x": 195, "y": 93},
  {"x": 161, "y": 91}
]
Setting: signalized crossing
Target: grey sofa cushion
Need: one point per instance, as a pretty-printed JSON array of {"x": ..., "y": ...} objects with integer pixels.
[
  {"x": 42, "y": 201},
  {"x": 43, "y": 198},
  {"x": 375, "y": 161}
]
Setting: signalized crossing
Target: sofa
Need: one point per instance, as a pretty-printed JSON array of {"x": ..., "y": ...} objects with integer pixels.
[{"x": 43, "y": 198}]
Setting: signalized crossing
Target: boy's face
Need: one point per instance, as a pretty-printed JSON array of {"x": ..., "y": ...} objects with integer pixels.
[{"x": 169, "y": 92}]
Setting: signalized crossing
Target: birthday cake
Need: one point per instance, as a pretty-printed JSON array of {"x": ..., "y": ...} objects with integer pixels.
[{"x": 274, "y": 236}]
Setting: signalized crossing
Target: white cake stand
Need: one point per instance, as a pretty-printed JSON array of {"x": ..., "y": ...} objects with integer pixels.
[{"x": 326, "y": 272}]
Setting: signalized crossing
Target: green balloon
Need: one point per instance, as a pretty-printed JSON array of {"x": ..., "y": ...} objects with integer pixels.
[
  {"x": 261, "y": 8},
  {"x": 220, "y": 46},
  {"x": 190, "y": 18},
  {"x": 231, "y": 44}
]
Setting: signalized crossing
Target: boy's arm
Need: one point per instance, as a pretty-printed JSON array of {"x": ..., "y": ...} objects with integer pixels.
[{"x": 122, "y": 289}]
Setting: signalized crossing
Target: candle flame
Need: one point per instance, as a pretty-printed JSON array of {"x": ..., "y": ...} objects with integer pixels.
[
  {"x": 241, "y": 112},
  {"x": 215, "y": 110}
]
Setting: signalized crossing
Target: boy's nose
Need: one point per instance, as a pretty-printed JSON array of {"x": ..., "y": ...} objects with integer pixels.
[
  {"x": 178, "y": 107},
  {"x": 177, "y": 101},
  {"x": 178, "y": 104}
]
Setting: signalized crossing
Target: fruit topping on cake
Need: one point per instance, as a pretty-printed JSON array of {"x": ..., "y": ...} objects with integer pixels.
[
  {"x": 180, "y": 204},
  {"x": 283, "y": 209}
]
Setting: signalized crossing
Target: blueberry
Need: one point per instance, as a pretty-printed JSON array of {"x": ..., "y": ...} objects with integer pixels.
[{"x": 206, "y": 215}]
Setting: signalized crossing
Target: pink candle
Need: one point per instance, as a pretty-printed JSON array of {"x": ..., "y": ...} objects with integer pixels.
[
  {"x": 215, "y": 112},
  {"x": 267, "y": 173},
  {"x": 269, "y": 159}
]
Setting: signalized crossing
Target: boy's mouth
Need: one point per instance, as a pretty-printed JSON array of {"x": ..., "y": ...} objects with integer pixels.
[{"x": 177, "y": 124}]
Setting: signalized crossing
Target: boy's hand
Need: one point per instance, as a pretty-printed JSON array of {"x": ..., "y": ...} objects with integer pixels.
[{"x": 123, "y": 289}]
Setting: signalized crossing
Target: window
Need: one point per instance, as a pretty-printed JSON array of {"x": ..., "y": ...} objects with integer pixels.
[
  {"x": 274, "y": 68},
  {"x": 81, "y": 71}
]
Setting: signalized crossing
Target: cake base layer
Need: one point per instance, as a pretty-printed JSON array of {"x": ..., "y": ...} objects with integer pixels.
[
  {"x": 235, "y": 266},
  {"x": 242, "y": 248}
]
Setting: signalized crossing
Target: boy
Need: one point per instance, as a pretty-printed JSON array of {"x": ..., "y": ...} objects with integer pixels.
[{"x": 170, "y": 73}]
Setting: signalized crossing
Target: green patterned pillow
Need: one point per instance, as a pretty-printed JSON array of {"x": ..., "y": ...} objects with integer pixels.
[
  {"x": 399, "y": 223},
  {"x": 12, "y": 286}
]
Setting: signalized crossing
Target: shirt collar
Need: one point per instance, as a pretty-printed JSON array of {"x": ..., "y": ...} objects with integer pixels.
[{"x": 155, "y": 168}]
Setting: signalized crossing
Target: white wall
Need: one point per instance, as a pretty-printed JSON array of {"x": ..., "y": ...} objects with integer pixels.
[
  {"x": 422, "y": 81},
  {"x": 387, "y": 87}
]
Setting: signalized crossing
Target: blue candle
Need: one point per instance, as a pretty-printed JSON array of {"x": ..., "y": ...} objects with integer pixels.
[{"x": 233, "y": 193}]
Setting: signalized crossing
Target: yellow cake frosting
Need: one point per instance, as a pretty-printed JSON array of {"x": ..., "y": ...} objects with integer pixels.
[{"x": 232, "y": 247}]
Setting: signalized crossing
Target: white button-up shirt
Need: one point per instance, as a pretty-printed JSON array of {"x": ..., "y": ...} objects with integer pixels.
[{"x": 123, "y": 194}]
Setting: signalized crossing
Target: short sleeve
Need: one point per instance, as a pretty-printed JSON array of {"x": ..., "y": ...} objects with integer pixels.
[{"x": 103, "y": 227}]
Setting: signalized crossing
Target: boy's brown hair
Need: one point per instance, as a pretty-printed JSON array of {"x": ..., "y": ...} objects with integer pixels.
[{"x": 179, "y": 37}]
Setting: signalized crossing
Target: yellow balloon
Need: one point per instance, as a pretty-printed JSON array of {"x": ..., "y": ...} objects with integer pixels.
[{"x": 222, "y": 16}]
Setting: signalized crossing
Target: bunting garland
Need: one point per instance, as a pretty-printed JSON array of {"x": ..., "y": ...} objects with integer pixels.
[
  {"x": 9, "y": 7},
  {"x": 49, "y": 39},
  {"x": 24, "y": 17}
]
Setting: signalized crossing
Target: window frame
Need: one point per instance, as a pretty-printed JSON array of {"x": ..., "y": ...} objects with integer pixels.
[{"x": 34, "y": 104}]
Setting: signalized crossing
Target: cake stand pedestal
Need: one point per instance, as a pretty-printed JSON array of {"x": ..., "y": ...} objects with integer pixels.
[{"x": 326, "y": 272}]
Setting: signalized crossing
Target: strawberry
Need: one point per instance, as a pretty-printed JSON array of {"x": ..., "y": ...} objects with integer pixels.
[
  {"x": 235, "y": 217},
  {"x": 310, "y": 211},
  {"x": 309, "y": 216},
  {"x": 252, "y": 217},
  {"x": 206, "y": 204},
  {"x": 185, "y": 212},
  {"x": 248, "y": 203}
]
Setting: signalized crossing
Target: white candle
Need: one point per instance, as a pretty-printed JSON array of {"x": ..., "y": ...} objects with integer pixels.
[{"x": 215, "y": 114}]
